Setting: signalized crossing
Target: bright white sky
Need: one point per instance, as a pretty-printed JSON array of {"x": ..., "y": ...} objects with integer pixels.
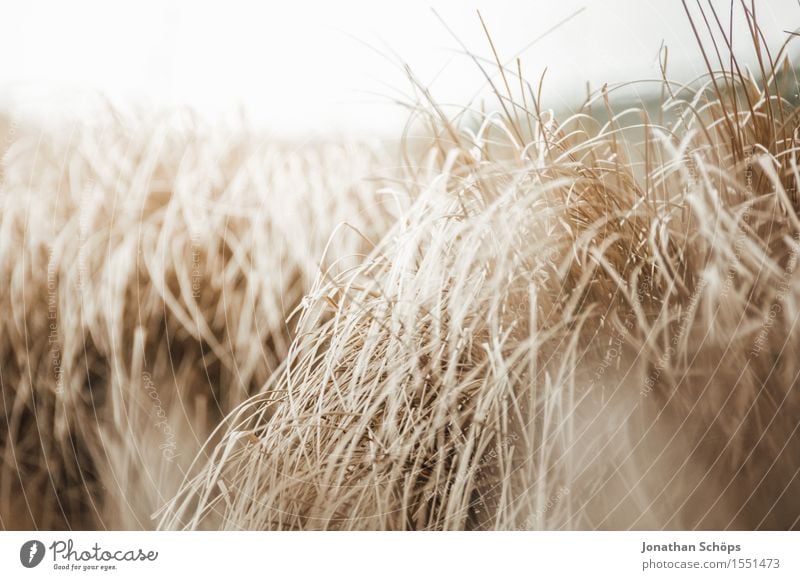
[{"x": 300, "y": 65}]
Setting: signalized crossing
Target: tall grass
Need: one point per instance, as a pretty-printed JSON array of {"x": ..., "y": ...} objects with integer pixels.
[
  {"x": 536, "y": 323},
  {"x": 149, "y": 266},
  {"x": 574, "y": 324}
]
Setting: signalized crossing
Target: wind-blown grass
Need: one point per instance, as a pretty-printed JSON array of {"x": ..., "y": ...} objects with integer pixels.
[
  {"x": 572, "y": 325},
  {"x": 150, "y": 266},
  {"x": 540, "y": 324}
]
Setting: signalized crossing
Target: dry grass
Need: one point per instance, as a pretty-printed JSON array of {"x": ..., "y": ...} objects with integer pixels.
[
  {"x": 561, "y": 324},
  {"x": 151, "y": 266},
  {"x": 558, "y": 333}
]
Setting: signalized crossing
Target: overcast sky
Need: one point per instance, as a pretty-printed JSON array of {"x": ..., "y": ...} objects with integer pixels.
[{"x": 308, "y": 65}]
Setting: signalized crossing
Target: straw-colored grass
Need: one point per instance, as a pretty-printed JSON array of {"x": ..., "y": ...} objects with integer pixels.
[
  {"x": 149, "y": 267},
  {"x": 541, "y": 324},
  {"x": 575, "y": 324}
]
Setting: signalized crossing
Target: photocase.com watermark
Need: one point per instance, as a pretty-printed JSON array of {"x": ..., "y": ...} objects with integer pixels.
[
  {"x": 776, "y": 308},
  {"x": 84, "y": 230},
  {"x": 474, "y": 471},
  {"x": 671, "y": 349},
  {"x": 65, "y": 556},
  {"x": 31, "y": 553},
  {"x": 196, "y": 225},
  {"x": 169, "y": 445},
  {"x": 533, "y": 520},
  {"x": 52, "y": 322}
]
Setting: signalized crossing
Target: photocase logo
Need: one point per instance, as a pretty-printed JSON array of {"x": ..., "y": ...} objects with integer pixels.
[{"x": 31, "y": 553}]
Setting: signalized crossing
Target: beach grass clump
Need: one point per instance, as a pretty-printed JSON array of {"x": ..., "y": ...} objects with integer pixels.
[{"x": 586, "y": 323}]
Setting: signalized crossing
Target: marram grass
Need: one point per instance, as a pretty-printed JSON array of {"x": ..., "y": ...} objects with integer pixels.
[
  {"x": 534, "y": 324},
  {"x": 150, "y": 266}
]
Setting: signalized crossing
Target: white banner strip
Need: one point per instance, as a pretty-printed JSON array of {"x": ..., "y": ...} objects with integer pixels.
[{"x": 376, "y": 556}]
